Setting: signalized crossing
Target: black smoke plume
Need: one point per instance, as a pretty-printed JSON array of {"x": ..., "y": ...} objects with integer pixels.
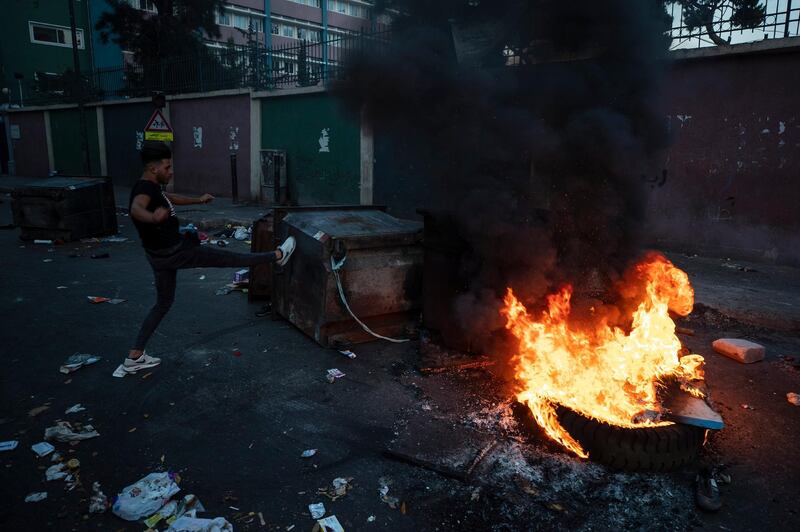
[{"x": 528, "y": 126}]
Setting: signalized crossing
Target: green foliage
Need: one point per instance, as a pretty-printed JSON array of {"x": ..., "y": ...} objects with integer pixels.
[
  {"x": 744, "y": 14},
  {"x": 177, "y": 29}
]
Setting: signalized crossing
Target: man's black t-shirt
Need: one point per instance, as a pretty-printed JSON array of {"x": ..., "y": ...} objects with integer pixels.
[{"x": 156, "y": 236}]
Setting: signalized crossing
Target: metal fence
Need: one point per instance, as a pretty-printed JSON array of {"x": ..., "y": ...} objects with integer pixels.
[
  {"x": 218, "y": 67},
  {"x": 782, "y": 20}
]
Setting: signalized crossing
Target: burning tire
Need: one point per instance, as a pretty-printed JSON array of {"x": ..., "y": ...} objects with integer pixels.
[{"x": 644, "y": 449}]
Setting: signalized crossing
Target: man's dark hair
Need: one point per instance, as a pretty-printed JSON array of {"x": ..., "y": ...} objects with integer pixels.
[{"x": 153, "y": 152}]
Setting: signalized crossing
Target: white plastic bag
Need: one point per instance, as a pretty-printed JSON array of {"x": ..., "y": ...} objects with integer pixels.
[
  {"x": 145, "y": 497},
  {"x": 194, "y": 524}
]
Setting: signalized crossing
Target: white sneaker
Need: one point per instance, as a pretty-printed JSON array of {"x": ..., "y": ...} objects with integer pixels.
[
  {"x": 143, "y": 362},
  {"x": 287, "y": 248}
]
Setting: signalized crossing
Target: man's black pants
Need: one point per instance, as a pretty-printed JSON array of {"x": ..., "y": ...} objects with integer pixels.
[{"x": 188, "y": 254}]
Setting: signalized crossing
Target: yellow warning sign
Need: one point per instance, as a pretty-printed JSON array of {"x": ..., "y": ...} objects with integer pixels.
[
  {"x": 158, "y": 128},
  {"x": 155, "y": 135}
]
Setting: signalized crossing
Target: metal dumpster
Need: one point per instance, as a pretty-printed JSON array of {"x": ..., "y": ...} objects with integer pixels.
[
  {"x": 64, "y": 208},
  {"x": 381, "y": 275}
]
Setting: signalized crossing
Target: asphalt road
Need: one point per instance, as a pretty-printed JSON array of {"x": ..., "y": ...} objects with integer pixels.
[{"x": 234, "y": 427}]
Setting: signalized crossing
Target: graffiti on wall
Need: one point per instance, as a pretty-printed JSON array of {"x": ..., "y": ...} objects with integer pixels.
[
  {"x": 324, "y": 141},
  {"x": 197, "y": 136},
  {"x": 233, "y": 136}
]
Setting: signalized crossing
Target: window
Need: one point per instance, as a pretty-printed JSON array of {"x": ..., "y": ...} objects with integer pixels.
[
  {"x": 311, "y": 3},
  {"x": 53, "y": 35},
  {"x": 295, "y": 32},
  {"x": 142, "y": 5},
  {"x": 348, "y": 8},
  {"x": 287, "y": 67},
  {"x": 241, "y": 21},
  {"x": 308, "y": 35},
  {"x": 223, "y": 19}
]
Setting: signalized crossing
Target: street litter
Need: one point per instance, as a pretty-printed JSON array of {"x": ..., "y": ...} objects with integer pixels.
[
  {"x": 47, "y": 260},
  {"x": 8, "y": 445},
  {"x": 329, "y": 524},
  {"x": 241, "y": 276},
  {"x": 64, "y": 432},
  {"x": 56, "y": 472},
  {"x": 308, "y": 453},
  {"x": 47, "y": 242},
  {"x": 231, "y": 287},
  {"x": 334, "y": 374},
  {"x": 74, "y": 409},
  {"x": 42, "y": 449},
  {"x": 202, "y": 277},
  {"x": 77, "y": 361},
  {"x": 338, "y": 488},
  {"x": 189, "y": 506},
  {"x": 36, "y": 497},
  {"x": 793, "y": 398},
  {"x": 98, "y": 299},
  {"x": 371, "y": 519},
  {"x": 166, "y": 512},
  {"x": 114, "y": 239},
  {"x": 98, "y": 502},
  {"x": 116, "y": 301},
  {"x": 145, "y": 496},
  {"x": 747, "y": 407},
  {"x": 101, "y": 256},
  {"x": 348, "y": 353},
  {"x": 38, "y": 410},
  {"x": 383, "y": 491},
  {"x": 241, "y": 233},
  {"x": 194, "y": 524},
  {"x": 62, "y": 287},
  {"x": 317, "y": 510}
]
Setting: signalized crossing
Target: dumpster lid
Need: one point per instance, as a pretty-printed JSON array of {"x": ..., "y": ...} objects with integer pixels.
[
  {"x": 347, "y": 223},
  {"x": 48, "y": 182}
]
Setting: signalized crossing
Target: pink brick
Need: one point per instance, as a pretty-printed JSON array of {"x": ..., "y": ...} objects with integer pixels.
[{"x": 742, "y": 351}]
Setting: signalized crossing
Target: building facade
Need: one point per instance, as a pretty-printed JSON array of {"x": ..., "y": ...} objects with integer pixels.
[{"x": 36, "y": 46}]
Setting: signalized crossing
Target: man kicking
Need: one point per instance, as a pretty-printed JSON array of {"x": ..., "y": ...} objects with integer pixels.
[{"x": 168, "y": 251}]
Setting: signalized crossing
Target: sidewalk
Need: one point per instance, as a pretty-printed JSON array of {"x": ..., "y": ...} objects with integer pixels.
[{"x": 760, "y": 294}]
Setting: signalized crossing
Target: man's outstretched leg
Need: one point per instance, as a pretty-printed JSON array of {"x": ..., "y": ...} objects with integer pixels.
[{"x": 213, "y": 257}]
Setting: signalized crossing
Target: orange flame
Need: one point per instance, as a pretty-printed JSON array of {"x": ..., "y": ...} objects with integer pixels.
[{"x": 601, "y": 370}]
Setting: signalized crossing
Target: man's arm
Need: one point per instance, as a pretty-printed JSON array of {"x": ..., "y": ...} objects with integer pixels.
[
  {"x": 139, "y": 210},
  {"x": 177, "y": 199}
]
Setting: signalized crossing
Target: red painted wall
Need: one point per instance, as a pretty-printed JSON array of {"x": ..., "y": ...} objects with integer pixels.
[
  {"x": 732, "y": 185},
  {"x": 208, "y": 168}
]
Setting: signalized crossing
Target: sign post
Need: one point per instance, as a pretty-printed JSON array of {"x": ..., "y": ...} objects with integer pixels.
[{"x": 158, "y": 128}]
